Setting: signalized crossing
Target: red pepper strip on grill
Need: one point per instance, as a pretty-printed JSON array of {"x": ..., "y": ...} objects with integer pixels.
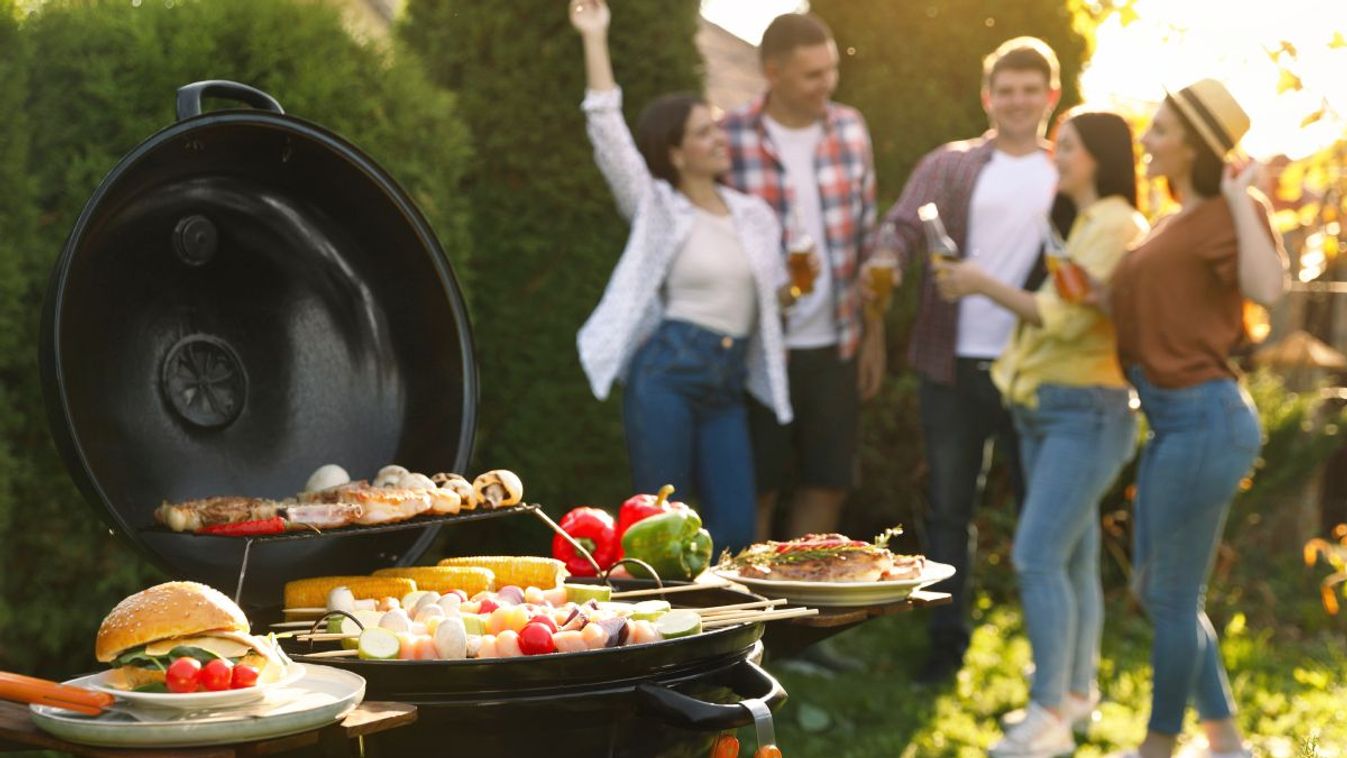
[
  {"x": 594, "y": 529},
  {"x": 274, "y": 525}
]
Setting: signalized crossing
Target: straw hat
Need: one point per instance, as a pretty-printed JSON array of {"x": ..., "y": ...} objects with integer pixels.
[{"x": 1213, "y": 112}]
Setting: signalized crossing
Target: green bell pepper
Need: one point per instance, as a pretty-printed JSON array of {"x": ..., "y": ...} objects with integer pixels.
[{"x": 673, "y": 543}]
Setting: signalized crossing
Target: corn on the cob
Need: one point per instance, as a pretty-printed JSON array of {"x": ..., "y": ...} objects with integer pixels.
[
  {"x": 519, "y": 570},
  {"x": 442, "y": 579},
  {"x": 312, "y": 592}
]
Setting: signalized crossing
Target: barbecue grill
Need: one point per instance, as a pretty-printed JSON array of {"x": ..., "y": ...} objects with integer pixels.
[{"x": 247, "y": 296}]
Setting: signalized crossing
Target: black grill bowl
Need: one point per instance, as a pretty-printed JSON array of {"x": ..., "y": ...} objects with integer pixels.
[{"x": 245, "y": 297}]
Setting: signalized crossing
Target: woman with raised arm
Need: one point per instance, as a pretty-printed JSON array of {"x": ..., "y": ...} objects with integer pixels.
[
  {"x": 691, "y": 315},
  {"x": 1177, "y": 300},
  {"x": 1066, "y": 391}
]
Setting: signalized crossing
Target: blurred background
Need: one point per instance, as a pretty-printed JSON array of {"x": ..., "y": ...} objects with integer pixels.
[{"x": 474, "y": 108}]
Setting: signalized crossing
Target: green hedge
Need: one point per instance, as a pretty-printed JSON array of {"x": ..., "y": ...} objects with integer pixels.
[
  {"x": 101, "y": 79},
  {"x": 546, "y": 229}
]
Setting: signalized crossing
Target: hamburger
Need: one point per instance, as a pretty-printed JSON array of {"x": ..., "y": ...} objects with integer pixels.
[{"x": 149, "y": 630}]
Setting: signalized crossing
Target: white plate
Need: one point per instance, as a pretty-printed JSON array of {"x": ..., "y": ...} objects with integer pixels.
[
  {"x": 840, "y": 594},
  {"x": 324, "y": 695},
  {"x": 197, "y": 700}
]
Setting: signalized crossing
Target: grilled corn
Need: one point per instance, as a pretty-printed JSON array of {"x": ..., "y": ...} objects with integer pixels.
[
  {"x": 312, "y": 592},
  {"x": 517, "y": 570},
  {"x": 442, "y": 579}
]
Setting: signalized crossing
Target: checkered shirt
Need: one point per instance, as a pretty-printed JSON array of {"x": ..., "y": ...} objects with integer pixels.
[{"x": 846, "y": 178}]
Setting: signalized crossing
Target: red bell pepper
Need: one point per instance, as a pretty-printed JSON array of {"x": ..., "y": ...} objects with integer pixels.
[
  {"x": 640, "y": 507},
  {"x": 273, "y": 525},
  {"x": 593, "y": 528}
]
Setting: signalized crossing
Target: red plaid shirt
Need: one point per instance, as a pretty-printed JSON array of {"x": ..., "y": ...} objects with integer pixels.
[
  {"x": 846, "y": 181},
  {"x": 946, "y": 177}
]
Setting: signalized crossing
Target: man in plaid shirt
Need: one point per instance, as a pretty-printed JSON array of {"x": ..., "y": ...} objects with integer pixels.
[
  {"x": 810, "y": 159},
  {"x": 993, "y": 194}
]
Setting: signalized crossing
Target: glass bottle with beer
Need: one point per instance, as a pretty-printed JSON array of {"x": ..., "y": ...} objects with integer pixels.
[
  {"x": 1070, "y": 279},
  {"x": 939, "y": 246}
]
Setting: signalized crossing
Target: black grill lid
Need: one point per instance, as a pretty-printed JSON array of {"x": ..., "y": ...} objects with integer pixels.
[{"x": 247, "y": 296}]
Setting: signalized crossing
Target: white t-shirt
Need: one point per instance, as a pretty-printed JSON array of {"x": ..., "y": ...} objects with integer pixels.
[
  {"x": 710, "y": 283},
  {"x": 812, "y": 322},
  {"x": 1011, "y": 199}
]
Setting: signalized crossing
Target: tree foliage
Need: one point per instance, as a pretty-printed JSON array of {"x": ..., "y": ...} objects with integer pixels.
[{"x": 103, "y": 82}]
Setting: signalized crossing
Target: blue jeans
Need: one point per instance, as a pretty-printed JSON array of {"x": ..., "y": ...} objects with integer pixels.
[
  {"x": 1072, "y": 447},
  {"x": 1203, "y": 440},
  {"x": 686, "y": 425},
  {"x": 959, "y": 422}
]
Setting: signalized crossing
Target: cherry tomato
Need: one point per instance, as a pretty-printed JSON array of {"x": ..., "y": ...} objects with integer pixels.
[
  {"x": 727, "y": 746},
  {"x": 536, "y": 639},
  {"x": 183, "y": 675},
  {"x": 244, "y": 676},
  {"x": 217, "y": 674},
  {"x": 768, "y": 751},
  {"x": 545, "y": 620}
]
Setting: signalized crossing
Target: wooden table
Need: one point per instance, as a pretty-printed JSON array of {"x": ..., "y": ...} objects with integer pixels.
[
  {"x": 18, "y": 732},
  {"x": 786, "y": 638}
]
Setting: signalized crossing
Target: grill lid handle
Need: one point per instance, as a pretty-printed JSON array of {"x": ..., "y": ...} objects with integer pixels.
[
  {"x": 677, "y": 709},
  {"x": 190, "y": 96}
]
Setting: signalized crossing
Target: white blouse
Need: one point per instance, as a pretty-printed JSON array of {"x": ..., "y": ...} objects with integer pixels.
[{"x": 661, "y": 219}]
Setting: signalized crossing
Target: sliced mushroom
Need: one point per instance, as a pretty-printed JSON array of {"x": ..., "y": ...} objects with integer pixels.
[
  {"x": 455, "y": 483},
  {"x": 326, "y": 477},
  {"x": 390, "y": 476},
  {"x": 498, "y": 488}
]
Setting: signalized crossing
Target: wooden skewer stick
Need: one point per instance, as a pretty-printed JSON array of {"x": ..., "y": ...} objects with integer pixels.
[
  {"x": 718, "y": 609},
  {"x": 753, "y": 618},
  {"x": 331, "y": 654},
  {"x": 292, "y": 625},
  {"x": 320, "y": 636},
  {"x": 669, "y": 590}
]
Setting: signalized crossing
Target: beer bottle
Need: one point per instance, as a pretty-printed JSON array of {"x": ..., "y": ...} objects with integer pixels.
[
  {"x": 938, "y": 243},
  {"x": 1071, "y": 281}
]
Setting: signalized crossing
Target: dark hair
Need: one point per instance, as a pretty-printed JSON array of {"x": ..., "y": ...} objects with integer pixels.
[
  {"x": 660, "y": 128},
  {"x": 1208, "y": 167},
  {"x": 1108, "y": 139},
  {"x": 791, "y": 30},
  {"x": 1022, "y": 54}
]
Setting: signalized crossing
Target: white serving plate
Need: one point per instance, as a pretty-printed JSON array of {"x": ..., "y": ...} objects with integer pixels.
[
  {"x": 322, "y": 696},
  {"x": 842, "y": 594},
  {"x": 196, "y": 700}
]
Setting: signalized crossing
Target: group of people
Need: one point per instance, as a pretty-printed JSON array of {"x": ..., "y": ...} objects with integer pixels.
[{"x": 733, "y": 372}]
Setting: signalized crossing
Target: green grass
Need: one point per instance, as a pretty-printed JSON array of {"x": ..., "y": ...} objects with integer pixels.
[{"x": 1289, "y": 680}]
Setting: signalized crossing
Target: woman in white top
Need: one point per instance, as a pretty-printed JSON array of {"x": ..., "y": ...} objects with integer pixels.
[{"x": 691, "y": 315}]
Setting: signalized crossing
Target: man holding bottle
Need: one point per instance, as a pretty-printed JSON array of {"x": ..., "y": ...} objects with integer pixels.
[
  {"x": 810, "y": 159},
  {"x": 993, "y": 195}
]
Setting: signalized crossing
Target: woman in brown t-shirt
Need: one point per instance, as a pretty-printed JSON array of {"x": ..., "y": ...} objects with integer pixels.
[{"x": 1177, "y": 302}]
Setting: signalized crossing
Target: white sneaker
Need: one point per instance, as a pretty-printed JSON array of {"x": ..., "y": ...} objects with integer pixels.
[
  {"x": 1039, "y": 735},
  {"x": 1080, "y": 712},
  {"x": 1200, "y": 750},
  {"x": 1077, "y": 712}
]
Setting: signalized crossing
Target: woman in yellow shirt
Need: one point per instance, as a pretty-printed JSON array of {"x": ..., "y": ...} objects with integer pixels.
[{"x": 1069, "y": 398}]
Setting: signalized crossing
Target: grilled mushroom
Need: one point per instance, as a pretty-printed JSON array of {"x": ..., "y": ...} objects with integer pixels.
[
  {"x": 455, "y": 483},
  {"x": 326, "y": 477},
  {"x": 390, "y": 476},
  {"x": 498, "y": 488}
]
